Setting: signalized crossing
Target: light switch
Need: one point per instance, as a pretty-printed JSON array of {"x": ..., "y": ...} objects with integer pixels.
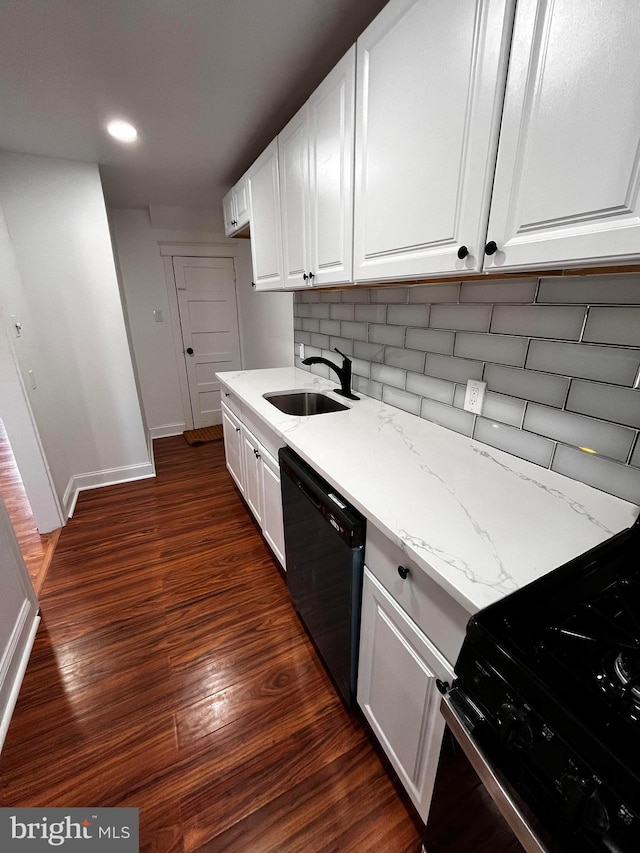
[
  {"x": 32, "y": 377},
  {"x": 157, "y": 316}
]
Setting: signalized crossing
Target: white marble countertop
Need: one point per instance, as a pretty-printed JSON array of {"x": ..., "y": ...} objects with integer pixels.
[{"x": 480, "y": 522}]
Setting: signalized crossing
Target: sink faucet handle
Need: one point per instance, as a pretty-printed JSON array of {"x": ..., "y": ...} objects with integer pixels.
[{"x": 335, "y": 349}]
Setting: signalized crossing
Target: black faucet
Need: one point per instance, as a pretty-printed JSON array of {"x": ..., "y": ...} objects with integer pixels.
[{"x": 344, "y": 372}]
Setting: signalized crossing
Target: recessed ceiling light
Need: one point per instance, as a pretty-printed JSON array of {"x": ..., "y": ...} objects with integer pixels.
[{"x": 122, "y": 131}]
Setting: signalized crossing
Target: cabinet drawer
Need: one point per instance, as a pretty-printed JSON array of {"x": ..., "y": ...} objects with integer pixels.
[
  {"x": 435, "y": 612},
  {"x": 231, "y": 401}
]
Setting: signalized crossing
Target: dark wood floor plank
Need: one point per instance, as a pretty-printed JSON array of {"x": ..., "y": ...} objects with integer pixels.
[{"x": 171, "y": 673}]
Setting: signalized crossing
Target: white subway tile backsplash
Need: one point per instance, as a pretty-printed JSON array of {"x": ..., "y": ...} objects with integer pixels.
[
  {"x": 371, "y": 313},
  {"x": 372, "y": 352},
  {"x": 446, "y": 416},
  {"x": 528, "y": 384},
  {"x": 392, "y": 335},
  {"x": 433, "y": 293},
  {"x": 608, "y": 402},
  {"x": 320, "y": 310},
  {"x": 430, "y": 340},
  {"x": 353, "y": 331},
  {"x": 453, "y": 369},
  {"x": 538, "y": 321},
  {"x": 388, "y": 375},
  {"x": 338, "y": 311},
  {"x": 318, "y": 340},
  {"x": 603, "y": 438},
  {"x": 503, "y": 349},
  {"x": 620, "y": 325},
  {"x": 611, "y": 477},
  {"x": 506, "y": 290},
  {"x": 401, "y": 400},
  {"x": 330, "y": 327},
  {"x": 428, "y": 386},
  {"x": 549, "y": 392},
  {"x": 343, "y": 344},
  {"x": 507, "y": 410},
  {"x": 584, "y": 361},
  {"x": 611, "y": 289},
  {"x": 514, "y": 441},
  {"x": 405, "y": 358},
  {"x": 469, "y": 318},
  {"x": 387, "y": 295},
  {"x": 366, "y": 386},
  {"x": 408, "y": 315}
]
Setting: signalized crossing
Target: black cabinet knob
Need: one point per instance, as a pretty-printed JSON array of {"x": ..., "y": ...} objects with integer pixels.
[
  {"x": 253, "y": 284},
  {"x": 491, "y": 248},
  {"x": 443, "y": 686},
  {"x": 310, "y": 275},
  {"x": 305, "y": 276},
  {"x": 403, "y": 572},
  {"x": 189, "y": 350},
  {"x": 463, "y": 252}
]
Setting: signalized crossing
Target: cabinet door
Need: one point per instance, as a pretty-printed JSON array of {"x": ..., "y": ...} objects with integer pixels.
[
  {"x": 331, "y": 142},
  {"x": 228, "y": 212},
  {"x": 264, "y": 214},
  {"x": 397, "y": 672},
  {"x": 568, "y": 172},
  {"x": 232, "y": 445},
  {"x": 241, "y": 202},
  {"x": 272, "y": 526},
  {"x": 252, "y": 467},
  {"x": 294, "y": 192},
  {"x": 430, "y": 82}
]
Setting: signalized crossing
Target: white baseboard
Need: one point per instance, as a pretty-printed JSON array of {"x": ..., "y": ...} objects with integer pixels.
[
  {"x": 7, "y": 711},
  {"x": 167, "y": 430},
  {"x": 97, "y": 479}
]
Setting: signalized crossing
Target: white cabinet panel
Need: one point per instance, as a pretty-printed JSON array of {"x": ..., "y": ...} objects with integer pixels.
[
  {"x": 567, "y": 179},
  {"x": 398, "y": 668},
  {"x": 316, "y": 183},
  {"x": 264, "y": 212},
  {"x": 430, "y": 79},
  {"x": 231, "y": 431},
  {"x": 272, "y": 524},
  {"x": 252, "y": 468}
]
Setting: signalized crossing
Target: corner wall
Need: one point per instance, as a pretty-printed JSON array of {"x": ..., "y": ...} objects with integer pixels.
[{"x": 85, "y": 403}]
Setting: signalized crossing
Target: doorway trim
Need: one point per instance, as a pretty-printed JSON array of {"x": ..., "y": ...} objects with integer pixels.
[{"x": 189, "y": 250}]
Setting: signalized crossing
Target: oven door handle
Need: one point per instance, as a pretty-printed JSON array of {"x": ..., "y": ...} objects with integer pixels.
[{"x": 490, "y": 779}]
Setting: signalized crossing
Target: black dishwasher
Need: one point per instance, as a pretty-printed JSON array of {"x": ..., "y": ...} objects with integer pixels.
[{"x": 324, "y": 543}]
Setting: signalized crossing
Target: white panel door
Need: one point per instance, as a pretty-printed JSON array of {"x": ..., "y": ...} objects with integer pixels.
[
  {"x": 264, "y": 214},
  {"x": 567, "y": 186},
  {"x": 206, "y": 290},
  {"x": 397, "y": 692},
  {"x": 331, "y": 141},
  {"x": 294, "y": 199},
  {"x": 18, "y": 620},
  {"x": 430, "y": 82}
]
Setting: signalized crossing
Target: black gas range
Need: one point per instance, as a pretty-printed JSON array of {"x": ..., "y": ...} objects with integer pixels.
[{"x": 548, "y": 683}]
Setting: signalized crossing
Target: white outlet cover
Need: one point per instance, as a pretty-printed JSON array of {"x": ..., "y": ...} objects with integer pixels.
[{"x": 474, "y": 396}]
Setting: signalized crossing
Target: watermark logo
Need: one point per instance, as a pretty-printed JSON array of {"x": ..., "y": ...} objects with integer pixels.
[{"x": 75, "y": 830}]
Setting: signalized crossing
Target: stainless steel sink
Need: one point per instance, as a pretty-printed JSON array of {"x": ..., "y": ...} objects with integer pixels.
[{"x": 304, "y": 403}]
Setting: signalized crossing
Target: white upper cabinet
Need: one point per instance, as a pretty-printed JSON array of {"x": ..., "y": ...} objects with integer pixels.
[
  {"x": 264, "y": 214},
  {"x": 316, "y": 183},
  {"x": 568, "y": 171},
  {"x": 430, "y": 83},
  {"x": 235, "y": 207}
]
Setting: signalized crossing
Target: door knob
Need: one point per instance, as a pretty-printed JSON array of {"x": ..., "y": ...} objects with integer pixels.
[{"x": 189, "y": 350}]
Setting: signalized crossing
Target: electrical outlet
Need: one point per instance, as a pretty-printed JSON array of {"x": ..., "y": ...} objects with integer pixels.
[
  {"x": 301, "y": 350},
  {"x": 474, "y": 396}
]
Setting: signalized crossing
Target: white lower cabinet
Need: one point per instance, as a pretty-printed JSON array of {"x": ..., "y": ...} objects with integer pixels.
[
  {"x": 256, "y": 472},
  {"x": 397, "y": 692}
]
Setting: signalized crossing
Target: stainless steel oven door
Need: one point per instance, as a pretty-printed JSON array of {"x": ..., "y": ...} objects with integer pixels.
[{"x": 472, "y": 807}]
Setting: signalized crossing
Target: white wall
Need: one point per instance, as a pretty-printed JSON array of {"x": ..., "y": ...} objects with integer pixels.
[
  {"x": 85, "y": 404},
  {"x": 265, "y": 319}
]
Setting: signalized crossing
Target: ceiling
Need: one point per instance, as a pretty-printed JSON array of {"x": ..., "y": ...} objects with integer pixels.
[{"x": 208, "y": 84}]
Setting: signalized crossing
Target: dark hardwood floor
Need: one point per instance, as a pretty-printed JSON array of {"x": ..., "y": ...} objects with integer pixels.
[{"x": 170, "y": 673}]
